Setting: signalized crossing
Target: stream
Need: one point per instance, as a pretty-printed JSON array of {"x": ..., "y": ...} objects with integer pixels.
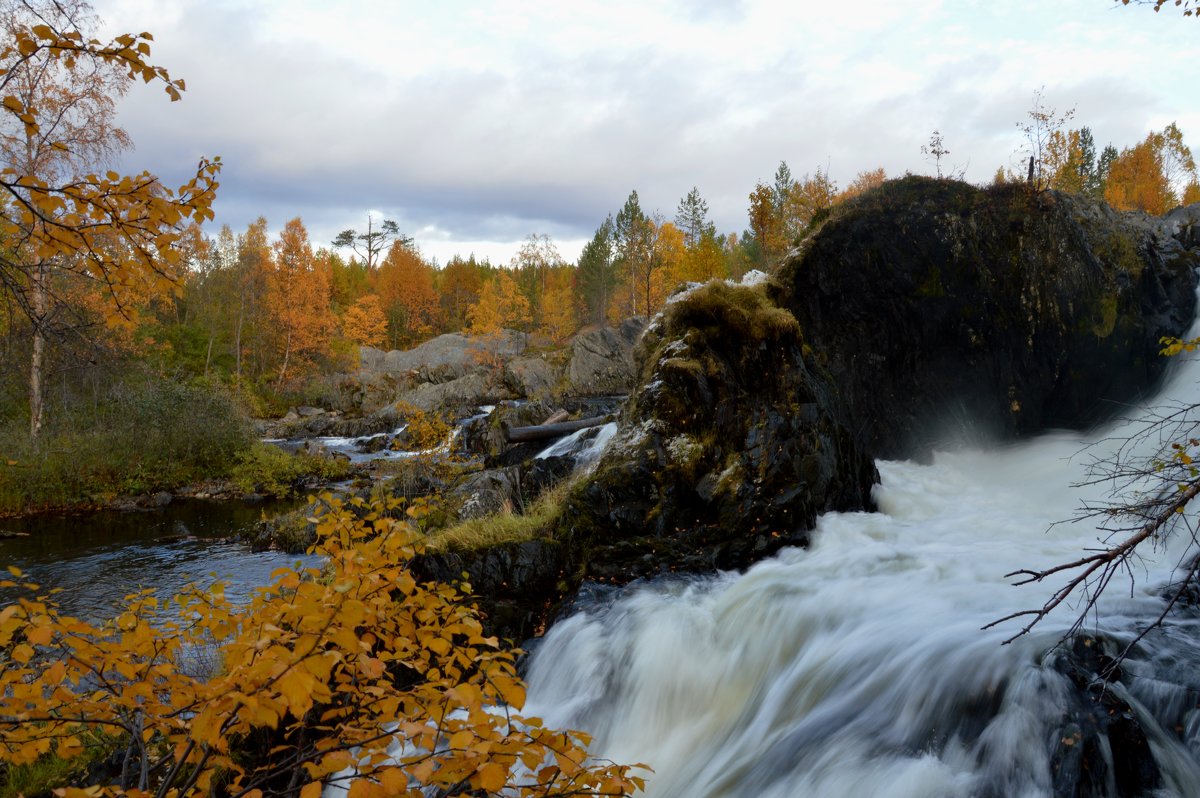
[{"x": 856, "y": 667}]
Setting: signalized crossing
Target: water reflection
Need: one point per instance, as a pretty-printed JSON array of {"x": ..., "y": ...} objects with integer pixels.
[{"x": 97, "y": 559}]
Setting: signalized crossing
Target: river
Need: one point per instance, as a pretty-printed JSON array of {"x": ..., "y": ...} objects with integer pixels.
[
  {"x": 99, "y": 558},
  {"x": 859, "y": 667}
]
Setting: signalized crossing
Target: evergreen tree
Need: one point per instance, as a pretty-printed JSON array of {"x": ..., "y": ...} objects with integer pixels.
[
  {"x": 692, "y": 218},
  {"x": 633, "y": 239},
  {"x": 1104, "y": 167},
  {"x": 597, "y": 275},
  {"x": 1092, "y": 185},
  {"x": 784, "y": 184}
]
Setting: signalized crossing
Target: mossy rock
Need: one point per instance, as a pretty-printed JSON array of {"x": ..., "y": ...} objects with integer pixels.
[
  {"x": 943, "y": 310},
  {"x": 727, "y": 450}
]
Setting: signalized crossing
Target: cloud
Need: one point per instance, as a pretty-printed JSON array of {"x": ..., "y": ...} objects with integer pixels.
[{"x": 483, "y": 123}]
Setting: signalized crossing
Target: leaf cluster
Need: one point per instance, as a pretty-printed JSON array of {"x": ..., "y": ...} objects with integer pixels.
[
  {"x": 356, "y": 676},
  {"x": 120, "y": 230}
]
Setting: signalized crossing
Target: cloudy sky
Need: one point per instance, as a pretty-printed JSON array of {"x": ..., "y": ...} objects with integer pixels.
[{"x": 475, "y": 124}]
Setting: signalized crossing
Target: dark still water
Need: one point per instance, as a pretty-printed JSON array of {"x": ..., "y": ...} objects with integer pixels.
[{"x": 99, "y": 558}]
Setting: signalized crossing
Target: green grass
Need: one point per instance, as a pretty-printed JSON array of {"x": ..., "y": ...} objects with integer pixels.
[
  {"x": 40, "y": 778},
  {"x": 537, "y": 521}
]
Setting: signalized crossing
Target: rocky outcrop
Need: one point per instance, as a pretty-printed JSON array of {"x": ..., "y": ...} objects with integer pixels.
[
  {"x": 602, "y": 360},
  {"x": 728, "y": 449},
  {"x": 938, "y": 307},
  {"x": 444, "y": 358}
]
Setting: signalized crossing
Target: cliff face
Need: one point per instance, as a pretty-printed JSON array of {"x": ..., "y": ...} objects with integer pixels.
[{"x": 938, "y": 307}]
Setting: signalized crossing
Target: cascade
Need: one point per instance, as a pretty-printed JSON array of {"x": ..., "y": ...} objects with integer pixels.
[{"x": 859, "y": 666}]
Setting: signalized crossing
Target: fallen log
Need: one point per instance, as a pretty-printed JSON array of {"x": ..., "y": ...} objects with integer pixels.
[
  {"x": 543, "y": 432},
  {"x": 556, "y": 417}
]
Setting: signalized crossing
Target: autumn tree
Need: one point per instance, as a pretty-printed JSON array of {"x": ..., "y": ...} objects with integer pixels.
[
  {"x": 862, "y": 183},
  {"x": 458, "y": 284},
  {"x": 297, "y": 299},
  {"x": 254, "y": 264},
  {"x": 1041, "y": 123},
  {"x": 348, "y": 280},
  {"x": 364, "y": 322},
  {"x": 373, "y": 242},
  {"x": 60, "y": 218},
  {"x": 705, "y": 259},
  {"x": 809, "y": 196},
  {"x": 1189, "y": 7},
  {"x": 1153, "y": 175},
  {"x": 502, "y": 305},
  {"x": 210, "y": 294},
  {"x": 533, "y": 264},
  {"x": 356, "y": 674},
  {"x": 404, "y": 283},
  {"x": 766, "y": 238},
  {"x": 559, "y": 312}
]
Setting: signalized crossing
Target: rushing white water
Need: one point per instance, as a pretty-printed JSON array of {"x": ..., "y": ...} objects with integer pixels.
[
  {"x": 858, "y": 667},
  {"x": 585, "y": 445}
]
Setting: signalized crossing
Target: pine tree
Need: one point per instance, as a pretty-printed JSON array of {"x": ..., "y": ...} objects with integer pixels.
[
  {"x": 596, "y": 275},
  {"x": 692, "y": 217}
]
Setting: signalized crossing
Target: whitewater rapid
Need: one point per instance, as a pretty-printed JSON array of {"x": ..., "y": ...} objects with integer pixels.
[{"x": 859, "y": 666}]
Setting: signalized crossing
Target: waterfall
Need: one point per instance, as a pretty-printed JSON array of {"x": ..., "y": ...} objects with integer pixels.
[{"x": 859, "y": 666}]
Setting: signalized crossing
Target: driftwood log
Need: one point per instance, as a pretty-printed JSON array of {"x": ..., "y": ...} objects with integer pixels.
[{"x": 543, "y": 432}]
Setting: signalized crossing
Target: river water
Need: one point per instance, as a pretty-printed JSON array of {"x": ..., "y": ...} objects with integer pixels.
[
  {"x": 99, "y": 558},
  {"x": 859, "y": 667}
]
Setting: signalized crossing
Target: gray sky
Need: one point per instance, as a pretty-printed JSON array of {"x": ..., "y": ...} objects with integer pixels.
[{"x": 475, "y": 124}]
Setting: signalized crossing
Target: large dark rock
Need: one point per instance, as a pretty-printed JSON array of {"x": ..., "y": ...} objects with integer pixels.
[
  {"x": 937, "y": 306},
  {"x": 727, "y": 450},
  {"x": 517, "y": 585},
  {"x": 602, "y": 360},
  {"x": 1101, "y": 744}
]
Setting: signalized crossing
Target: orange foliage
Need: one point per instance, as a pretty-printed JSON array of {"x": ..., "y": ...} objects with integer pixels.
[
  {"x": 404, "y": 283},
  {"x": 1136, "y": 181},
  {"x": 863, "y": 182},
  {"x": 364, "y": 322},
  {"x": 297, "y": 299},
  {"x": 559, "y": 317},
  {"x": 319, "y": 675},
  {"x": 501, "y": 305}
]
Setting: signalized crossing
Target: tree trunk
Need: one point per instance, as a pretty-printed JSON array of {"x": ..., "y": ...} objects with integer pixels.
[
  {"x": 37, "y": 359},
  {"x": 543, "y": 432},
  {"x": 237, "y": 341},
  {"x": 208, "y": 354},
  {"x": 287, "y": 351}
]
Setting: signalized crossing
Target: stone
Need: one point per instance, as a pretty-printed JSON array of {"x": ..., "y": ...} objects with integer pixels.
[
  {"x": 940, "y": 308},
  {"x": 602, "y": 360},
  {"x": 486, "y": 492},
  {"x": 728, "y": 448}
]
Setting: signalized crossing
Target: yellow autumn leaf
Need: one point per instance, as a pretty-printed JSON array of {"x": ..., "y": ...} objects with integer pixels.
[{"x": 492, "y": 777}]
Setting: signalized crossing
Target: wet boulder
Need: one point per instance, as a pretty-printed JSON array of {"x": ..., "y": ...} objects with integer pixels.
[
  {"x": 938, "y": 307},
  {"x": 727, "y": 450},
  {"x": 602, "y": 360}
]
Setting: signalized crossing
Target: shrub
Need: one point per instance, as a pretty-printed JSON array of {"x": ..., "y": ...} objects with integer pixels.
[
  {"x": 138, "y": 436},
  {"x": 321, "y": 674},
  {"x": 270, "y": 471}
]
